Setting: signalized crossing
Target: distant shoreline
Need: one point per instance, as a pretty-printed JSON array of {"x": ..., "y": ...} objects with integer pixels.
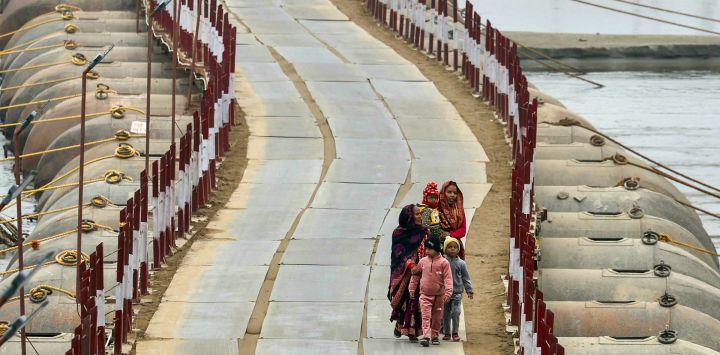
[{"x": 621, "y": 52}]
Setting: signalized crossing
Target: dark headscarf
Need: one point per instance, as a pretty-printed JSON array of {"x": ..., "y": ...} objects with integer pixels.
[
  {"x": 406, "y": 239},
  {"x": 451, "y": 216}
]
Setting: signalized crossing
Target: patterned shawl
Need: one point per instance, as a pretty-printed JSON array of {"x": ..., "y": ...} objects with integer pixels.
[
  {"x": 451, "y": 216},
  {"x": 407, "y": 238}
]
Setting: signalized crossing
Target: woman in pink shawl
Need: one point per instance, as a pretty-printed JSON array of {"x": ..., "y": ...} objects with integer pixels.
[{"x": 452, "y": 214}]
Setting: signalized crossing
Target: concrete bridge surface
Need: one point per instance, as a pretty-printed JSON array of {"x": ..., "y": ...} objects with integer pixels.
[{"x": 343, "y": 133}]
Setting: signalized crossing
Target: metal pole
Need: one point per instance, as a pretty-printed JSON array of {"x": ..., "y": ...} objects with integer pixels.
[
  {"x": 175, "y": 35},
  {"x": 137, "y": 16},
  {"x": 20, "y": 238},
  {"x": 147, "y": 102},
  {"x": 81, "y": 171},
  {"x": 193, "y": 53},
  {"x": 149, "y": 80},
  {"x": 81, "y": 189}
]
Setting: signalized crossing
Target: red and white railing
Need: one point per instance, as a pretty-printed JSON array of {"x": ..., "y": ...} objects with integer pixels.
[{"x": 178, "y": 184}]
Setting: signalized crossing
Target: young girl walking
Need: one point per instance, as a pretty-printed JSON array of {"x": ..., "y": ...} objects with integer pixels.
[
  {"x": 461, "y": 282},
  {"x": 436, "y": 286}
]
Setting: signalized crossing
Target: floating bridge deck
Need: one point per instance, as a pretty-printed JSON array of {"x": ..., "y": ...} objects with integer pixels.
[
  {"x": 343, "y": 133},
  {"x": 604, "y": 255}
]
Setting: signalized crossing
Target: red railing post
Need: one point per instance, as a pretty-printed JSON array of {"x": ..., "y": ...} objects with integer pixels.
[
  {"x": 136, "y": 201},
  {"x": 76, "y": 341},
  {"x": 205, "y": 124},
  {"x": 119, "y": 289},
  {"x": 127, "y": 275},
  {"x": 157, "y": 254},
  {"x": 92, "y": 294},
  {"x": 537, "y": 313},
  {"x": 162, "y": 208},
  {"x": 413, "y": 26},
  {"x": 213, "y": 143},
  {"x": 476, "y": 73},
  {"x": 100, "y": 300},
  {"x": 403, "y": 25},
  {"x": 190, "y": 170},
  {"x": 542, "y": 327},
  {"x": 182, "y": 174},
  {"x": 421, "y": 23},
  {"x": 441, "y": 28},
  {"x": 467, "y": 42},
  {"x": 455, "y": 49},
  {"x": 172, "y": 178},
  {"x": 431, "y": 35},
  {"x": 144, "y": 272}
]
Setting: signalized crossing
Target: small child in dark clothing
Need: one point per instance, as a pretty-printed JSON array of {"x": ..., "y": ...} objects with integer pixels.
[{"x": 461, "y": 281}]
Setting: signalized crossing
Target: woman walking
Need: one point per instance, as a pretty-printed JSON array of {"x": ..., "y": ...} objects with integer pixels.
[
  {"x": 407, "y": 249},
  {"x": 452, "y": 214}
]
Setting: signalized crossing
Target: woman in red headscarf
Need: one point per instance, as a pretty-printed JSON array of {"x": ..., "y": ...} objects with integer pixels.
[{"x": 452, "y": 214}]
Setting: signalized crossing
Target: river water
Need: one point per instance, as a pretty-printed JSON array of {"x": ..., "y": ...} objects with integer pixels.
[
  {"x": 672, "y": 117},
  {"x": 568, "y": 16}
]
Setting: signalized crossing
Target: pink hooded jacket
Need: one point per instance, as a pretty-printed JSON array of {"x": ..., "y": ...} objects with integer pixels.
[{"x": 435, "y": 277}]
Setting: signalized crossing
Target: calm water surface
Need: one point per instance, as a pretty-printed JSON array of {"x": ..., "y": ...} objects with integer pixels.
[
  {"x": 672, "y": 117},
  {"x": 568, "y": 16}
]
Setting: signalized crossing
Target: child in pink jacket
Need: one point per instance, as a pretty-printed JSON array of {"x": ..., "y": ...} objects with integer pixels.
[{"x": 436, "y": 287}]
